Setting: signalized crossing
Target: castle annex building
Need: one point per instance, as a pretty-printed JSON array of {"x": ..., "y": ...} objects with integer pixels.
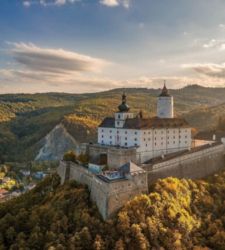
[{"x": 150, "y": 137}]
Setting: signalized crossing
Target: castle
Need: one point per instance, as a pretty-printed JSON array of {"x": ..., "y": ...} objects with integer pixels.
[
  {"x": 133, "y": 152},
  {"x": 150, "y": 137}
]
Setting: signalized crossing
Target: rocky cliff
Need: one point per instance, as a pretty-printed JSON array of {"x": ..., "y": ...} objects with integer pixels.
[{"x": 55, "y": 144}]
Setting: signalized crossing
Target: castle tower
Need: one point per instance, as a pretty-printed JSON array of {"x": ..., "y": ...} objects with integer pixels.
[
  {"x": 123, "y": 113},
  {"x": 165, "y": 104}
]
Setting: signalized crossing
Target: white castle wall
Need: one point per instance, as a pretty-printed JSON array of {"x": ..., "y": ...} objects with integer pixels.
[{"x": 149, "y": 143}]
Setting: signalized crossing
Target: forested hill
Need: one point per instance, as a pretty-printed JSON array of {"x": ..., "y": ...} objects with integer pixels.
[
  {"x": 25, "y": 118},
  {"x": 177, "y": 214}
]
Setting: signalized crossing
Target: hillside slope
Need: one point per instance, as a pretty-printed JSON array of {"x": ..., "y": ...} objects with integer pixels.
[
  {"x": 177, "y": 214},
  {"x": 25, "y": 119}
]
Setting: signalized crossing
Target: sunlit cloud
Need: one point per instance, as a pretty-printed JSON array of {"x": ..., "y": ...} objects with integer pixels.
[
  {"x": 114, "y": 3},
  {"x": 58, "y": 67},
  {"x": 54, "y": 60},
  {"x": 214, "y": 43},
  {"x": 209, "y": 70}
]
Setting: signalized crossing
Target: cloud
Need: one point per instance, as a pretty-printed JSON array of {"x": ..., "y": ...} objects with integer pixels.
[
  {"x": 115, "y": 3},
  {"x": 26, "y": 4},
  {"x": 221, "y": 26},
  {"x": 34, "y": 66},
  {"x": 45, "y": 3},
  {"x": 214, "y": 43},
  {"x": 56, "y": 61},
  {"x": 209, "y": 70}
]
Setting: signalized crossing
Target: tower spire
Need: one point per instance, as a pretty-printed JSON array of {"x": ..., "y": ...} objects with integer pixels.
[
  {"x": 165, "y": 91},
  {"x": 123, "y": 107}
]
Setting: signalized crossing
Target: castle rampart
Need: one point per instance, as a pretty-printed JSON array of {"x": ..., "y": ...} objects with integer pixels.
[
  {"x": 197, "y": 163},
  {"x": 108, "y": 196}
]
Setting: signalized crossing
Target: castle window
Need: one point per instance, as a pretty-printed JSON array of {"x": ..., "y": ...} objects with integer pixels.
[
  {"x": 174, "y": 137},
  {"x": 149, "y": 133},
  {"x": 161, "y": 138},
  {"x": 135, "y": 139},
  {"x": 118, "y": 123},
  {"x": 102, "y": 136},
  {"x": 161, "y": 143},
  {"x": 118, "y": 131},
  {"x": 168, "y": 138},
  {"x": 146, "y": 145},
  {"x": 135, "y": 144},
  {"x": 102, "y": 130},
  {"x": 168, "y": 143},
  {"x": 110, "y": 137},
  {"x": 102, "y": 142},
  {"x": 155, "y": 144},
  {"x": 144, "y": 139},
  {"x": 118, "y": 116},
  {"x": 155, "y": 138},
  {"x": 125, "y": 144},
  {"x": 125, "y": 132},
  {"x": 125, "y": 138},
  {"x": 110, "y": 131},
  {"x": 155, "y": 132},
  {"x": 174, "y": 142},
  {"x": 135, "y": 132},
  {"x": 110, "y": 143},
  {"x": 185, "y": 142},
  {"x": 149, "y": 139},
  {"x": 144, "y": 133}
]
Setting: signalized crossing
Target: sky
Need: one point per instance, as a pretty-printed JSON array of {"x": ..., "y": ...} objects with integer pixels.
[{"x": 82, "y": 46}]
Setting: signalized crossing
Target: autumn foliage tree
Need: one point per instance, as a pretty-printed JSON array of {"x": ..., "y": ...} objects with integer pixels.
[{"x": 176, "y": 214}]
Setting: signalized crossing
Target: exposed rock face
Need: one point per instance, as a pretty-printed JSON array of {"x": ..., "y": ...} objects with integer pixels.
[{"x": 55, "y": 144}]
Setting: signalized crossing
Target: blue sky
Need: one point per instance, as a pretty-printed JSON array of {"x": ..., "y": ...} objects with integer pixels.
[{"x": 92, "y": 45}]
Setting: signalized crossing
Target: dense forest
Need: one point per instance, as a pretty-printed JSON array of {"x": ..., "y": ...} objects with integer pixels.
[{"x": 176, "y": 214}]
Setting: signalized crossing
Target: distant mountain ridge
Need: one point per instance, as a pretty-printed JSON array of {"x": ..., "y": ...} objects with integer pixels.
[{"x": 25, "y": 119}]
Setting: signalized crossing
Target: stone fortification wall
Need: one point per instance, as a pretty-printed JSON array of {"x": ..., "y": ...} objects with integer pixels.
[
  {"x": 109, "y": 197},
  {"x": 194, "y": 165},
  {"x": 120, "y": 156},
  {"x": 116, "y": 157},
  {"x": 123, "y": 191}
]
